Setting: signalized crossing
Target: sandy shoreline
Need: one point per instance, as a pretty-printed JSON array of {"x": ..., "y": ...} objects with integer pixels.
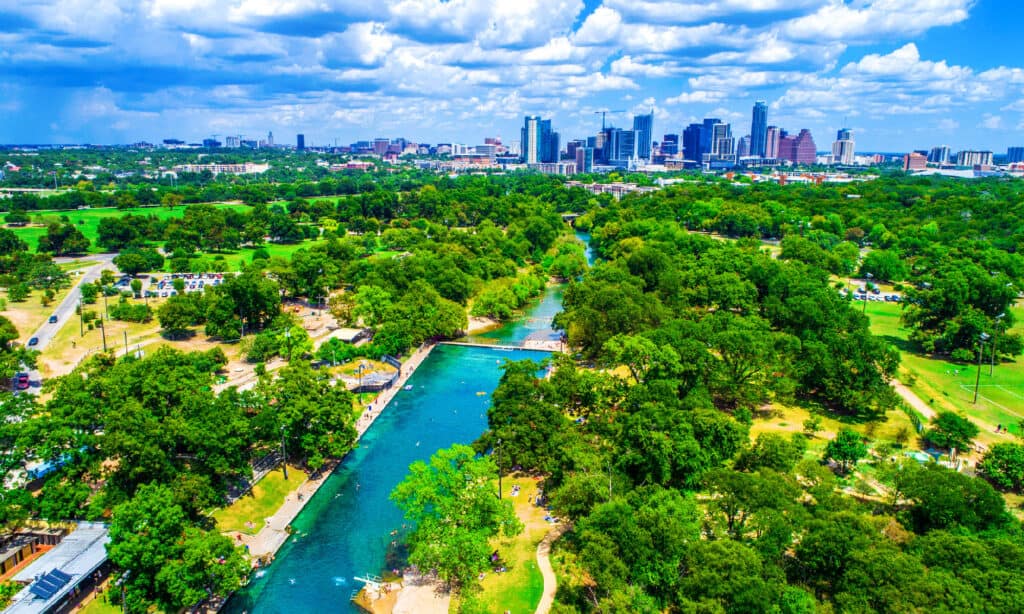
[{"x": 275, "y": 530}]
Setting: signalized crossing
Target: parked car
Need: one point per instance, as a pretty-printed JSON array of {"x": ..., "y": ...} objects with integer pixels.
[
  {"x": 21, "y": 381},
  {"x": 33, "y": 341},
  {"x": 53, "y": 319}
]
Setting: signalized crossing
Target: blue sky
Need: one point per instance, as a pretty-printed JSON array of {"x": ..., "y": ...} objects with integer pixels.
[{"x": 905, "y": 74}]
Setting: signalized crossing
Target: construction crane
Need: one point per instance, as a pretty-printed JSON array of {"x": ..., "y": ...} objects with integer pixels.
[{"x": 602, "y": 112}]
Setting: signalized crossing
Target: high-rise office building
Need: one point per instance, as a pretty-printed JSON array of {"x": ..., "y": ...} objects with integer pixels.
[
  {"x": 584, "y": 159},
  {"x": 1014, "y": 155},
  {"x": 300, "y": 142},
  {"x": 759, "y": 129},
  {"x": 380, "y": 145},
  {"x": 531, "y": 140},
  {"x": 234, "y": 142},
  {"x": 722, "y": 143},
  {"x": 970, "y": 157},
  {"x": 743, "y": 147},
  {"x": 939, "y": 155},
  {"x": 270, "y": 139},
  {"x": 572, "y": 146},
  {"x": 211, "y": 143},
  {"x": 805, "y": 152},
  {"x": 707, "y": 134},
  {"x": 670, "y": 145},
  {"x": 771, "y": 142},
  {"x": 842, "y": 148},
  {"x": 692, "y": 142},
  {"x": 643, "y": 127},
  {"x": 539, "y": 141},
  {"x": 621, "y": 146}
]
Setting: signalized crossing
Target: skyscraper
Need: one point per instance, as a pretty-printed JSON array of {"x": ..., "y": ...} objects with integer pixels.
[
  {"x": 621, "y": 146},
  {"x": 584, "y": 159},
  {"x": 707, "y": 135},
  {"x": 270, "y": 139},
  {"x": 300, "y": 142},
  {"x": 842, "y": 148},
  {"x": 939, "y": 155},
  {"x": 722, "y": 143},
  {"x": 771, "y": 142},
  {"x": 643, "y": 126},
  {"x": 691, "y": 142},
  {"x": 670, "y": 145},
  {"x": 743, "y": 147},
  {"x": 1014, "y": 155},
  {"x": 799, "y": 149},
  {"x": 531, "y": 140},
  {"x": 539, "y": 141},
  {"x": 759, "y": 130}
]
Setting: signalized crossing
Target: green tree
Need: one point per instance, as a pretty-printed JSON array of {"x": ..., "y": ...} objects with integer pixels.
[
  {"x": 950, "y": 430},
  {"x": 63, "y": 239},
  {"x": 846, "y": 449},
  {"x": 1003, "y": 465},
  {"x": 451, "y": 501}
]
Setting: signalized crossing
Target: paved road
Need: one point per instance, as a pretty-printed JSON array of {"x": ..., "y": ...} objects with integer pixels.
[{"x": 66, "y": 310}]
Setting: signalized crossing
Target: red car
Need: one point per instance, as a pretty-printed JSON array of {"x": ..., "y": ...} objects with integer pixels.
[{"x": 21, "y": 381}]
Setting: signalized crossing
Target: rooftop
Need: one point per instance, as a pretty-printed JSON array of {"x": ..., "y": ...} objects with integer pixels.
[{"x": 77, "y": 556}]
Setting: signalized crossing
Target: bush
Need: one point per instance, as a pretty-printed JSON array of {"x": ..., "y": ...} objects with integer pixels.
[{"x": 128, "y": 312}]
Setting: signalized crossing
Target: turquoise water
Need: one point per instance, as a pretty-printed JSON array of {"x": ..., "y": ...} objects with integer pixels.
[
  {"x": 346, "y": 529},
  {"x": 589, "y": 253}
]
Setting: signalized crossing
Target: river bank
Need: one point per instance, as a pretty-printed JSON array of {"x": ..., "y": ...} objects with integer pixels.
[{"x": 275, "y": 532}]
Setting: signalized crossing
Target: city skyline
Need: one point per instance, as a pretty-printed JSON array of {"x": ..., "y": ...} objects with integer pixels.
[{"x": 897, "y": 74}]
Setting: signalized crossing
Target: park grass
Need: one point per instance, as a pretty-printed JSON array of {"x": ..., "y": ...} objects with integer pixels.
[
  {"x": 519, "y": 589},
  {"x": 786, "y": 420},
  {"x": 261, "y": 503},
  {"x": 68, "y": 346},
  {"x": 88, "y": 220},
  {"x": 949, "y": 386},
  {"x": 28, "y": 315},
  {"x": 101, "y": 605}
]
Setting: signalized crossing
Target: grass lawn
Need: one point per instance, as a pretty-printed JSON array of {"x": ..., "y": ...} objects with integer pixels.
[
  {"x": 28, "y": 315},
  {"x": 100, "y": 606},
  {"x": 949, "y": 385},
  {"x": 88, "y": 220},
  {"x": 265, "y": 498},
  {"x": 68, "y": 346},
  {"x": 518, "y": 589},
  {"x": 233, "y": 260},
  {"x": 786, "y": 420}
]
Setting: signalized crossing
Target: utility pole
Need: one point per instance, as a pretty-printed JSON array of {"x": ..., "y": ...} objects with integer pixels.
[
  {"x": 106, "y": 310},
  {"x": 981, "y": 350},
  {"x": 81, "y": 316},
  {"x": 284, "y": 456},
  {"x": 103, "y": 331},
  {"x": 992, "y": 365}
]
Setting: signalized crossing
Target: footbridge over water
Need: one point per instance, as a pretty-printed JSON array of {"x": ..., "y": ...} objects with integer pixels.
[{"x": 542, "y": 345}]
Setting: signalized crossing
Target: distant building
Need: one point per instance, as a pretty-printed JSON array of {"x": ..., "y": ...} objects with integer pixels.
[
  {"x": 232, "y": 142},
  {"x": 670, "y": 145},
  {"x": 842, "y": 148},
  {"x": 771, "y": 142},
  {"x": 270, "y": 139},
  {"x": 620, "y": 147},
  {"x": 584, "y": 159},
  {"x": 692, "y": 142},
  {"x": 759, "y": 130},
  {"x": 915, "y": 162},
  {"x": 300, "y": 142},
  {"x": 173, "y": 142},
  {"x": 230, "y": 169},
  {"x": 970, "y": 157},
  {"x": 1014, "y": 155},
  {"x": 939, "y": 155},
  {"x": 799, "y": 149},
  {"x": 572, "y": 146},
  {"x": 531, "y": 140},
  {"x": 211, "y": 143},
  {"x": 643, "y": 128},
  {"x": 743, "y": 147},
  {"x": 380, "y": 145}
]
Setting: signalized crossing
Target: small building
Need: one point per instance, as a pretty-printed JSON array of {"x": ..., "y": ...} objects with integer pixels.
[{"x": 56, "y": 580}]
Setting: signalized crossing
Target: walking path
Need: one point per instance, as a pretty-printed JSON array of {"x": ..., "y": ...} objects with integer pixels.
[
  {"x": 275, "y": 530},
  {"x": 913, "y": 400},
  {"x": 547, "y": 599}
]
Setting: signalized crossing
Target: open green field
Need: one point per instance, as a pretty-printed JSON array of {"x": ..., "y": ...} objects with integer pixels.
[
  {"x": 946, "y": 385},
  {"x": 248, "y": 514},
  {"x": 88, "y": 220},
  {"x": 519, "y": 588}
]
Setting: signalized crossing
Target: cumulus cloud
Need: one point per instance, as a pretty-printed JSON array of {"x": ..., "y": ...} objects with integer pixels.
[{"x": 872, "y": 19}]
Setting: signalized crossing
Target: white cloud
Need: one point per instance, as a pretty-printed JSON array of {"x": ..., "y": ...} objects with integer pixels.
[
  {"x": 991, "y": 122},
  {"x": 874, "y": 19},
  {"x": 600, "y": 27},
  {"x": 699, "y": 96},
  {"x": 905, "y": 64},
  {"x": 947, "y": 125}
]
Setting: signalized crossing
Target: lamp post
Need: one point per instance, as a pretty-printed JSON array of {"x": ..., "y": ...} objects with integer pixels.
[
  {"x": 288, "y": 336},
  {"x": 981, "y": 350},
  {"x": 284, "y": 456},
  {"x": 992, "y": 365},
  {"x": 868, "y": 277}
]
